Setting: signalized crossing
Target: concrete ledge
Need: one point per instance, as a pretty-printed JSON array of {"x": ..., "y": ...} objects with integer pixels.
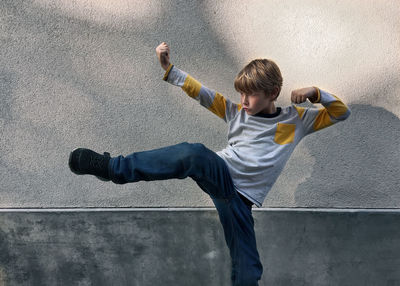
[
  {"x": 111, "y": 209},
  {"x": 167, "y": 246}
]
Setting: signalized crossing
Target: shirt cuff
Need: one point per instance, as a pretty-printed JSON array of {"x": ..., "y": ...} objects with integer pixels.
[
  {"x": 167, "y": 72},
  {"x": 318, "y": 95}
]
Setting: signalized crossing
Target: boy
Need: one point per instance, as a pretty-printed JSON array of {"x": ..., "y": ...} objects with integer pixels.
[{"x": 261, "y": 138}]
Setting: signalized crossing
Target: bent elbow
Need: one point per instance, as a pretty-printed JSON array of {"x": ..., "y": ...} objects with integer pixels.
[
  {"x": 347, "y": 114},
  {"x": 344, "y": 115}
]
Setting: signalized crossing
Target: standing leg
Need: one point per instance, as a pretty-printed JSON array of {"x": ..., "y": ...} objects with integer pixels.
[{"x": 238, "y": 224}]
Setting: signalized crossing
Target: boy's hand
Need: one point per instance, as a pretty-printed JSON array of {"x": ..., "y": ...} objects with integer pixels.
[
  {"x": 301, "y": 95},
  {"x": 162, "y": 52}
]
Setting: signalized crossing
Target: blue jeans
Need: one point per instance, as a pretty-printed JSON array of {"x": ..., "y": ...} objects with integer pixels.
[{"x": 211, "y": 173}]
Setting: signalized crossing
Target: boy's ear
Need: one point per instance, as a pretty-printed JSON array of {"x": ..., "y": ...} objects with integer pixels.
[{"x": 275, "y": 92}]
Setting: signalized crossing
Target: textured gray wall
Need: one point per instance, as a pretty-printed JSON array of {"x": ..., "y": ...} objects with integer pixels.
[
  {"x": 151, "y": 248},
  {"x": 84, "y": 74}
]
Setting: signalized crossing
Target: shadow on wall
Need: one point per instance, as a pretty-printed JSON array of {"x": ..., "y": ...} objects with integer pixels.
[{"x": 361, "y": 171}]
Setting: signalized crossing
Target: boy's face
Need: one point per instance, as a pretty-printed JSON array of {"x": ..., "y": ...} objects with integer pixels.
[{"x": 255, "y": 102}]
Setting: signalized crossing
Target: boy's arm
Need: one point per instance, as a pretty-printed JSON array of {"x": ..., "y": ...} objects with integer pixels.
[
  {"x": 314, "y": 119},
  {"x": 213, "y": 101},
  {"x": 208, "y": 98}
]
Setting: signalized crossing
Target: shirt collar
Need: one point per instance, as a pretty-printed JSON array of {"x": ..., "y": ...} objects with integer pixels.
[{"x": 270, "y": 115}]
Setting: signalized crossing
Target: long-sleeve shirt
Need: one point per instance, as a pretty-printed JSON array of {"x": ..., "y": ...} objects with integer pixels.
[{"x": 259, "y": 146}]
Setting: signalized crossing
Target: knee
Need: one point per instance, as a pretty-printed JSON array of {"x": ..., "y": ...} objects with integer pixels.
[
  {"x": 194, "y": 147},
  {"x": 194, "y": 151},
  {"x": 199, "y": 148},
  {"x": 196, "y": 158}
]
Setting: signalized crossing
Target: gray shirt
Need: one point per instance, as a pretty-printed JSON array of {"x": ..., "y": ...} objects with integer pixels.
[{"x": 259, "y": 147}]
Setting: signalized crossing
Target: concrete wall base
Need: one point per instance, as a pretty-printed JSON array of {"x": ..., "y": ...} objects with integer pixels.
[{"x": 186, "y": 247}]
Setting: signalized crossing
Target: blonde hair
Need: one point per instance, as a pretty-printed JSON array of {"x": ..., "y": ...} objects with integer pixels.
[{"x": 259, "y": 75}]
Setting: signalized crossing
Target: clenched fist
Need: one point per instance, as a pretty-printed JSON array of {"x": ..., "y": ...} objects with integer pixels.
[
  {"x": 301, "y": 95},
  {"x": 162, "y": 52}
]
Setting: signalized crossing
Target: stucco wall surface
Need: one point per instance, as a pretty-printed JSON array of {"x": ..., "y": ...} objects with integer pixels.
[{"x": 84, "y": 74}]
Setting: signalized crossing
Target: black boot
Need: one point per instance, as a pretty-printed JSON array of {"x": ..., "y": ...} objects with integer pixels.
[{"x": 84, "y": 161}]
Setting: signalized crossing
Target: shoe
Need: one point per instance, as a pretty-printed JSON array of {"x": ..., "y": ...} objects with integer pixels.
[{"x": 84, "y": 161}]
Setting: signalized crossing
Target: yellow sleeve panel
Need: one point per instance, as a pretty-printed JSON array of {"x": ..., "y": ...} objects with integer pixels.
[
  {"x": 322, "y": 120},
  {"x": 219, "y": 105},
  {"x": 300, "y": 111},
  {"x": 337, "y": 108},
  {"x": 191, "y": 87}
]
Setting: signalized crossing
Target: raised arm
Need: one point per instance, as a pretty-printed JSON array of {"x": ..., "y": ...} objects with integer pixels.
[
  {"x": 213, "y": 101},
  {"x": 314, "y": 119}
]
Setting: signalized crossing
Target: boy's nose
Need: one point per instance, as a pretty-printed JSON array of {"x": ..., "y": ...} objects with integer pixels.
[{"x": 244, "y": 100}]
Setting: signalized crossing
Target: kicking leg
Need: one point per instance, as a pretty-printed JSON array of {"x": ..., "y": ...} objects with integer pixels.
[
  {"x": 175, "y": 162},
  {"x": 172, "y": 162}
]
